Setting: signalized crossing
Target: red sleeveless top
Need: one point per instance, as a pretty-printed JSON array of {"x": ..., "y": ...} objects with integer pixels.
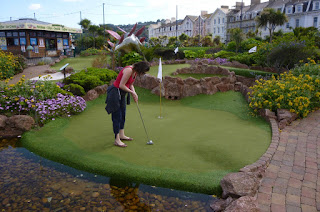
[{"x": 119, "y": 77}]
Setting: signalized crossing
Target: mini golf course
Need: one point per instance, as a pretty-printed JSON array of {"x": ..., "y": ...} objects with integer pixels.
[{"x": 198, "y": 141}]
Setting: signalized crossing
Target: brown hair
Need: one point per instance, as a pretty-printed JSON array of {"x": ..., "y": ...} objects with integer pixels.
[{"x": 141, "y": 67}]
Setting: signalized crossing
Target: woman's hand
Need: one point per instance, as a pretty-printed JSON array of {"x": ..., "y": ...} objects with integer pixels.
[{"x": 135, "y": 96}]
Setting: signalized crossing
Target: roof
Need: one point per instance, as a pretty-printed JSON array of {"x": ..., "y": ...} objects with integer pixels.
[
  {"x": 192, "y": 17},
  {"x": 30, "y": 23},
  {"x": 277, "y": 4},
  {"x": 258, "y": 7}
]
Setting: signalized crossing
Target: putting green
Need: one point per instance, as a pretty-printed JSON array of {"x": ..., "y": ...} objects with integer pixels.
[{"x": 194, "y": 146}]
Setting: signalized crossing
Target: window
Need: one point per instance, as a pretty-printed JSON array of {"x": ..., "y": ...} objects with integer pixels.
[
  {"x": 215, "y": 21},
  {"x": 299, "y": 8},
  {"x": 222, "y": 29},
  {"x": 9, "y": 34},
  {"x": 222, "y": 20},
  {"x": 315, "y": 21},
  {"x": 287, "y": 25},
  {"x": 316, "y": 5},
  {"x": 40, "y": 34},
  {"x": 289, "y": 10},
  {"x": 218, "y": 29},
  {"x": 15, "y": 34},
  {"x": 279, "y": 9},
  {"x": 33, "y": 42},
  {"x": 218, "y": 20},
  {"x": 214, "y": 30},
  {"x": 297, "y": 22},
  {"x": 50, "y": 44},
  {"x": 2, "y": 34},
  {"x": 10, "y": 42}
]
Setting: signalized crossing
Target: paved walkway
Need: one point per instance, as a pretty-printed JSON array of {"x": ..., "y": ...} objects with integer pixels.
[{"x": 292, "y": 180}]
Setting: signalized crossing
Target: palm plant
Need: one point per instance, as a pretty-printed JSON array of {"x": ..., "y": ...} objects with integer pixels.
[
  {"x": 237, "y": 36},
  {"x": 271, "y": 19}
]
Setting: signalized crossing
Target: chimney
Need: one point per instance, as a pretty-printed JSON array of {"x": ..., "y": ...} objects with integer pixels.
[
  {"x": 239, "y": 4},
  {"x": 203, "y": 12},
  {"x": 254, "y": 2},
  {"x": 167, "y": 21},
  {"x": 224, "y": 7},
  {"x": 173, "y": 19}
]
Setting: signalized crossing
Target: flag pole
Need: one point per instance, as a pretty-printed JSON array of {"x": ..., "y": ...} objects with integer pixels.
[{"x": 160, "y": 100}]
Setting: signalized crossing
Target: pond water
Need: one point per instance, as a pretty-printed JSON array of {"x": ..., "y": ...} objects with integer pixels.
[{"x": 30, "y": 182}]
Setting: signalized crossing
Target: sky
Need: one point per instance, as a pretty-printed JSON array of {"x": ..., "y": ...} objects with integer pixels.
[{"x": 67, "y": 12}]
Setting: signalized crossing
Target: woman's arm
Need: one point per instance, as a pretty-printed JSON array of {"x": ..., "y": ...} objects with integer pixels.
[{"x": 127, "y": 72}]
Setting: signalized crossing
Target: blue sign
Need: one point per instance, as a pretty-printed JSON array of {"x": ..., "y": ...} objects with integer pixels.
[
  {"x": 33, "y": 41},
  {"x": 23, "y": 41},
  {"x": 16, "y": 42},
  {"x": 65, "y": 42}
]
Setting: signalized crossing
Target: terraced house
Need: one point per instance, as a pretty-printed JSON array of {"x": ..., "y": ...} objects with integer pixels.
[{"x": 301, "y": 13}]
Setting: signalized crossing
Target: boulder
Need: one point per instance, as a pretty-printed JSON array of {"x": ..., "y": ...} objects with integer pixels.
[
  {"x": 50, "y": 71},
  {"x": 3, "y": 120},
  {"x": 236, "y": 64},
  {"x": 191, "y": 81},
  {"x": 21, "y": 122},
  {"x": 237, "y": 86},
  {"x": 248, "y": 204},
  {"x": 220, "y": 204},
  {"x": 102, "y": 89},
  {"x": 147, "y": 81},
  {"x": 223, "y": 87},
  {"x": 284, "y": 114},
  {"x": 156, "y": 90},
  {"x": 244, "y": 80},
  {"x": 192, "y": 90},
  {"x": 239, "y": 184},
  {"x": 91, "y": 95},
  {"x": 208, "y": 85},
  {"x": 9, "y": 132},
  {"x": 267, "y": 114}
]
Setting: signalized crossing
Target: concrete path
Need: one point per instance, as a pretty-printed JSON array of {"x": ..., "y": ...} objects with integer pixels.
[{"x": 292, "y": 180}]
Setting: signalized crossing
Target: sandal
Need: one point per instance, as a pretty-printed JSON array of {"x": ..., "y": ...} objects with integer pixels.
[
  {"x": 126, "y": 139},
  {"x": 120, "y": 145}
]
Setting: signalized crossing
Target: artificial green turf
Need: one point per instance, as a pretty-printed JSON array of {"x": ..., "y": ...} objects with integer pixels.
[
  {"x": 77, "y": 63},
  {"x": 167, "y": 70},
  {"x": 196, "y": 142}
]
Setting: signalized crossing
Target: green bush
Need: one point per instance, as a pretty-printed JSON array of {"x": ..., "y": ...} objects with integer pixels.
[
  {"x": 91, "y": 78},
  {"x": 224, "y": 54},
  {"x": 131, "y": 58},
  {"x": 201, "y": 53},
  {"x": 21, "y": 63},
  {"x": 310, "y": 68},
  {"x": 8, "y": 65},
  {"x": 75, "y": 89},
  {"x": 208, "y": 56},
  {"x": 148, "y": 52},
  {"x": 244, "y": 58},
  {"x": 189, "y": 54},
  {"x": 91, "y": 51}
]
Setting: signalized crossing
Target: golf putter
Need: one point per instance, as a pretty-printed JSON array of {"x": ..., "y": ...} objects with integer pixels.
[{"x": 149, "y": 141}]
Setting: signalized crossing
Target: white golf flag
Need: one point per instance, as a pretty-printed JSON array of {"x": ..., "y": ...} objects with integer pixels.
[
  {"x": 253, "y": 49},
  {"x": 160, "y": 71},
  {"x": 176, "y": 50}
]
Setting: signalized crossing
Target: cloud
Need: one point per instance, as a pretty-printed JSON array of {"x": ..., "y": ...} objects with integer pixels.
[
  {"x": 71, "y": 0},
  {"x": 34, "y": 6}
]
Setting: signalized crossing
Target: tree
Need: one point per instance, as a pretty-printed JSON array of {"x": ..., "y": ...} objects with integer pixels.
[
  {"x": 237, "y": 36},
  {"x": 85, "y": 23},
  {"x": 271, "y": 19},
  {"x": 183, "y": 37},
  {"x": 93, "y": 29}
]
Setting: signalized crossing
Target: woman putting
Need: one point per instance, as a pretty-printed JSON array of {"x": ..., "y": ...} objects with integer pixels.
[{"x": 116, "y": 102}]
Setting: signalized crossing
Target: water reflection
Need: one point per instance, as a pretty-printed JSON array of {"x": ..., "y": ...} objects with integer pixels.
[{"x": 29, "y": 182}]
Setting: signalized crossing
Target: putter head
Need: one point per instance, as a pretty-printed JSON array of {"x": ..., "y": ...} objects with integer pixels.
[{"x": 150, "y": 142}]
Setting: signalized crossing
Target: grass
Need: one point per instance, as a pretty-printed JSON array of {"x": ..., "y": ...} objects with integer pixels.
[
  {"x": 198, "y": 141},
  {"x": 77, "y": 63}
]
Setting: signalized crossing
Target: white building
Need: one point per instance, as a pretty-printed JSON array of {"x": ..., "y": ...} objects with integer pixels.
[
  {"x": 199, "y": 26},
  {"x": 300, "y": 13},
  {"x": 217, "y": 23}
]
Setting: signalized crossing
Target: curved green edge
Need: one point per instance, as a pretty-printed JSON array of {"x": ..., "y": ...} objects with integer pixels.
[{"x": 208, "y": 183}]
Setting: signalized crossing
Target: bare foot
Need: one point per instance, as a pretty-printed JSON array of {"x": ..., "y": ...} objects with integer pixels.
[{"x": 120, "y": 144}]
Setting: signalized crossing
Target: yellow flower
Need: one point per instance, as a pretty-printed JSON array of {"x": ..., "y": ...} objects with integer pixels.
[{"x": 33, "y": 105}]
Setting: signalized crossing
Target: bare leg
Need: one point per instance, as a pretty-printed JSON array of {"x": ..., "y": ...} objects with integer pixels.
[
  {"x": 118, "y": 142},
  {"x": 122, "y": 135}
]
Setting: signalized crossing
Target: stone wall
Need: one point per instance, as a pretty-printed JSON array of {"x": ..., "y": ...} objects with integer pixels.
[{"x": 176, "y": 88}]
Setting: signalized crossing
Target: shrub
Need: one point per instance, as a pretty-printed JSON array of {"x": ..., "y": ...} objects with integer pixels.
[
  {"x": 300, "y": 94},
  {"x": 208, "y": 56},
  {"x": 131, "y": 58},
  {"x": 91, "y": 51},
  {"x": 244, "y": 58},
  {"x": 45, "y": 61},
  {"x": 310, "y": 68},
  {"x": 224, "y": 54},
  {"x": 91, "y": 78},
  {"x": 189, "y": 54},
  {"x": 148, "y": 52},
  {"x": 77, "y": 90},
  {"x": 101, "y": 61},
  {"x": 21, "y": 62},
  {"x": 8, "y": 65}
]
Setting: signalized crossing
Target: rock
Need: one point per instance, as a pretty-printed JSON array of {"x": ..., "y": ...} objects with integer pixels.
[
  {"x": 147, "y": 81},
  {"x": 237, "y": 86},
  {"x": 57, "y": 61},
  {"x": 223, "y": 87},
  {"x": 191, "y": 81},
  {"x": 95, "y": 194},
  {"x": 3, "y": 120},
  {"x": 156, "y": 90},
  {"x": 239, "y": 184},
  {"x": 220, "y": 204},
  {"x": 102, "y": 89},
  {"x": 284, "y": 114},
  {"x": 50, "y": 71},
  {"x": 192, "y": 90},
  {"x": 267, "y": 114},
  {"x": 245, "y": 81},
  {"x": 91, "y": 95},
  {"x": 21, "y": 122},
  {"x": 246, "y": 203}
]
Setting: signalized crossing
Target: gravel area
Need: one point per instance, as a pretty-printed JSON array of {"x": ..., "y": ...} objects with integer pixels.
[{"x": 30, "y": 72}]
